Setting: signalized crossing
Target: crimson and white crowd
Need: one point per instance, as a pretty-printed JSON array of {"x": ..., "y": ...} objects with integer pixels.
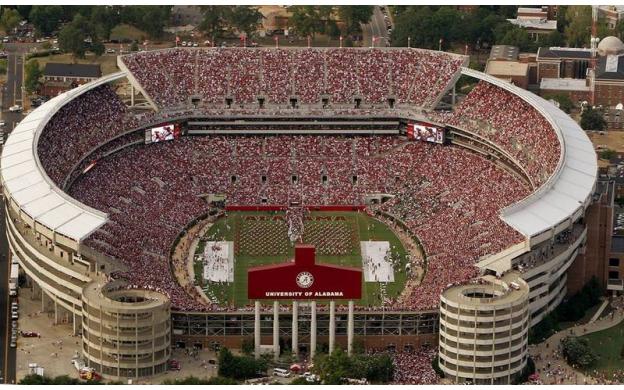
[
  {"x": 512, "y": 124},
  {"x": 152, "y": 192},
  {"x": 243, "y": 75},
  {"x": 414, "y": 368},
  {"x": 449, "y": 198}
]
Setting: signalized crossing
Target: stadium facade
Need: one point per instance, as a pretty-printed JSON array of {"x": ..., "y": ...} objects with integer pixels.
[{"x": 128, "y": 330}]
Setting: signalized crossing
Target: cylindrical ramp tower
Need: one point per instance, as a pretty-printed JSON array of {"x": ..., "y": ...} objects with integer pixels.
[
  {"x": 126, "y": 332},
  {"x": 484, "y": 330}
]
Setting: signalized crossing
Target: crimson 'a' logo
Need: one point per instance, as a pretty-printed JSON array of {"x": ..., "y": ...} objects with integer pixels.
[{"x": 305, "y": 279}]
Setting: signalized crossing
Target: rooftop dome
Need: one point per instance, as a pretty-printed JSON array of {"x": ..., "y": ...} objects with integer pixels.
[{"x": 610, "y": 45}]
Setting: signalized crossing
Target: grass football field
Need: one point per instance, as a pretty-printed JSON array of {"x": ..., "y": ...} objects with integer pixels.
[{"x": 261, "y": 238}]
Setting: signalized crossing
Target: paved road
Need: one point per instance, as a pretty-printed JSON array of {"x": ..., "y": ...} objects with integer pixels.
[
  {"x": 12, "y": 90},
  {"x": 376, "y": 28},
  {"x": 11, "y": 94}
]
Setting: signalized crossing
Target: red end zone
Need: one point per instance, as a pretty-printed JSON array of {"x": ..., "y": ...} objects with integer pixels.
[{"x": 303, "y": 279}]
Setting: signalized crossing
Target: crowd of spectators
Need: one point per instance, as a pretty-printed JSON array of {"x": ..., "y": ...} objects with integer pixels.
[
  {"x": 78, "y": 127},
  {"x": 447, "y": 197},
  {"x": 412, "y": 76},
  {"x": 513, "y": 125},
  {"x": 415, "y": 368},
  {"x": 450, "y": 198}
]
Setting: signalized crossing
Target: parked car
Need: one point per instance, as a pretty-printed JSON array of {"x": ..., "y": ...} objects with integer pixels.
[
  {"x": 174, "y": 365},
  {"x": 29, "y": 334},
  {"x": 15, "y": 108}
]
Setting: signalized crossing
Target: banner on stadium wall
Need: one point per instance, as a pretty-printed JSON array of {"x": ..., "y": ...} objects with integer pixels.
[
  {"x": 303, "y": 279},
  {"x": 425, "y": 132}
]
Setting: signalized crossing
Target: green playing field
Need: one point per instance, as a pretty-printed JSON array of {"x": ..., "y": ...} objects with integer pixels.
[{"x": 262, "y": 238}]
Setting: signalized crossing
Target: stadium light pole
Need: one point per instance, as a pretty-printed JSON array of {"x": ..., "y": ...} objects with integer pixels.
[
  {"x": 308, "y": 41},
  {"x": 276, "y": 42},
  {"x": 341, "y": 41},
  {"x": 409, "y": 42}
]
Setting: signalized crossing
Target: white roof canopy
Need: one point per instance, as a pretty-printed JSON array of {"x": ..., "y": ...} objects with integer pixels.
[
  {"x": 30, "y": 187},
  {"x": 572, "y": 184}
]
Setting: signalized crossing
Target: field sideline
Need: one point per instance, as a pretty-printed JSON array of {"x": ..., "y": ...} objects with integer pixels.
[{"x": 261, "y": 238}]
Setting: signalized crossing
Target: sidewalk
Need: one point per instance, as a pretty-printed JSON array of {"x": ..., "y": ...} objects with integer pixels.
[{"x": 552, "y": 367}]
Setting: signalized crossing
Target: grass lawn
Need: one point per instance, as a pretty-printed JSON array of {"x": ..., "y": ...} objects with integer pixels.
[
  {"x": 108, "y": 63},
  {"x": 260, "y": 242},
  {"x": 125, "y": 32},
  {"x": 608, "y": 344}
]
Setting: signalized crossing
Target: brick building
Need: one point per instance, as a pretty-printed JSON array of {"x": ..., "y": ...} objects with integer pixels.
[
  {"x": 562, "y": 62},
  {"x": 612, "y": 14},
  {"x": 59, "y": 77},
  {"x": 593, "y": 259},
  {"x": 536, "y": 21},
  {"x": 577, "y": 89},
  {"x": 507, "y": 63},
  {"x": 592, "y": 75}
]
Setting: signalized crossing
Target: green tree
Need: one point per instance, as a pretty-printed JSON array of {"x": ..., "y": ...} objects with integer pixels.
[
  {"x": 213, "y": 20},
  {"x": 592, "y": 120},
  {"x": 553, "y": 39},
  {"x": 24, "y": 10},
  {"x": 97, "y": 47},
  {"x": 9, "y": 19},
  {"x": 32, "y": 73},
  {"x": 579, "y": 19},
  {"x": 578, "y": 352},
  {"x": 239, "y": 367},
  {"x": 414, "y": 22},
  {"x": 104, "y": 19},
  {"x": 247, "y": 346},
  {"x": 579, "y": 22},
  {"x": 619, "y": 29},
  {"x": 71, "y": 40},
  {"x": 518, "y": 36},
  {"x": 605, "y": 155},
  {"x": 46, "y": 18},
  {"x": 544, "y": 329},
  {"x": 149, "y": 18},
  {"x": 244, "y": 19},
  {"x": 134, "y": 46},
  {"x": 3, "y": 66},
  {"x": 333, "y": 368},
  {"x": 565, "y": 103},
  {"x": 375, "y": 368},
  {"x": 353, "y": 16},
  {"x": 306, "y": 20}
]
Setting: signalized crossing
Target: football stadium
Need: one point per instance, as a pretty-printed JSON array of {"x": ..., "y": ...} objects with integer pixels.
[{"x": 299, "y": 199}]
